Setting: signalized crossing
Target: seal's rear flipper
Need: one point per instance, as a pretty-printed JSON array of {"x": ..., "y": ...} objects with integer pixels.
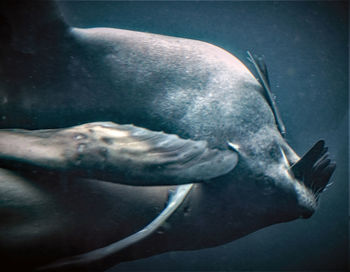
[
  {"x": 263, "y": 78},
  {"x": 98, "y": 256},
  {"x": 315, "y": 168}
]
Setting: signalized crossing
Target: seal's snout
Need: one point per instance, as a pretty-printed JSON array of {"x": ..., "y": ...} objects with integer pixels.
[
  {"x": 307, "y": 214},
  {"x": 315, "y": 169}
]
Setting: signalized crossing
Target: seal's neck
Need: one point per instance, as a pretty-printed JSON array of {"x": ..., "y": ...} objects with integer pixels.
[{"x": 29, "y": 26}]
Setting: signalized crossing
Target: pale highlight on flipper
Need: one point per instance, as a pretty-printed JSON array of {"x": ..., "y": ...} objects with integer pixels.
[{"x": 123, "y": 154}]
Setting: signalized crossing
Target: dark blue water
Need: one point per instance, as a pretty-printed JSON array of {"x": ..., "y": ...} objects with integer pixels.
[{"x": 305, "y": 45}]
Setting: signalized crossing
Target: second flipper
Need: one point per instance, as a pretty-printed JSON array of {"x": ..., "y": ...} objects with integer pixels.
[{"x": 118, "y": 153}]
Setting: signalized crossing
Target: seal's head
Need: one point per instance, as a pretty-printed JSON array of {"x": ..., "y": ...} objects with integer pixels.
[{"x": 288, "y": 186}]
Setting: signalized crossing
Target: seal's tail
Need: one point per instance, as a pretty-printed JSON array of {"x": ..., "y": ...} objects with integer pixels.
[{"x": 315, "y": 168}]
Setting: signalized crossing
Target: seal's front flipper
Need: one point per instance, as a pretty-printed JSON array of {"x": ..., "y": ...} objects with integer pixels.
[
  {"x": 315, "y": 168},
  {"x": 118, "y": 153}
]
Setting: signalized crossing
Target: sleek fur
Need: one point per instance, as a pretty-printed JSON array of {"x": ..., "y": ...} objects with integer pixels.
[{"x": 55, "y": 79}]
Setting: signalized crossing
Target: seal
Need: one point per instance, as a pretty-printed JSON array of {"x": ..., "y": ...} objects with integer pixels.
[{"x": 70, "y": 190}]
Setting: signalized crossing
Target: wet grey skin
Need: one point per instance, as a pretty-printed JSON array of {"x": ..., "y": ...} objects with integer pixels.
[{"x": 63, "y": 191}]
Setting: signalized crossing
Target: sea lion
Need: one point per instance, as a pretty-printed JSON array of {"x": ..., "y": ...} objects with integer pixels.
[{"x": 192, "y": 89}]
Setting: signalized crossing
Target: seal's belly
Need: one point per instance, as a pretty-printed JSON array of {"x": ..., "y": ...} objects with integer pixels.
[{"x": 73, "y": 215}]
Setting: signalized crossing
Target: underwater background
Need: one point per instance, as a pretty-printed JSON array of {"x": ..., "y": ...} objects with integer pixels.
[{"x": 305, "y": 46}]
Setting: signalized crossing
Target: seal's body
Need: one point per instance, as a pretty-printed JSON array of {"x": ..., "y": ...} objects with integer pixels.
[
  {"x": 168, "y": 84},
  {"x": 184, "y": 87}
]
